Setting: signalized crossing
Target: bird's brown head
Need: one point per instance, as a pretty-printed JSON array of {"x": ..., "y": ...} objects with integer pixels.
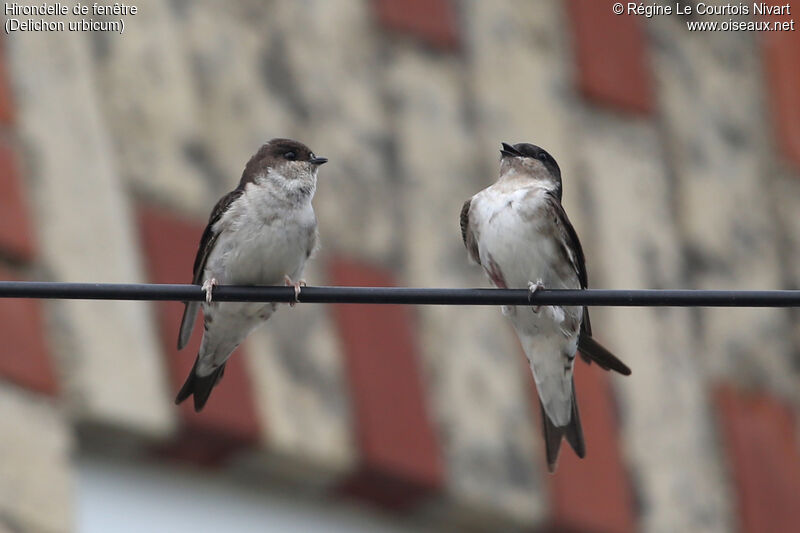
[{"x": 288, "y": 163}]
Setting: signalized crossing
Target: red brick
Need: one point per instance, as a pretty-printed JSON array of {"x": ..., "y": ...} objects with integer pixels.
[
  {"x": 781, "y": 59},
  {"x": 431, "y": 21},
  {"x": 763, "y": 452},
  {"x": 228, "y": 421},
  {"x": 611, "y": 54},
  {"x": 399, "y": 452},
  {"x": 24, "y": 358},
  {"x": 593, "y": 493},
  {"x": 16, "y": 233}
]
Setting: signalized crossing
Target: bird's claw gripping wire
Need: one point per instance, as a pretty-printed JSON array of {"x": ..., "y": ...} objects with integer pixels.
[
  {"x": 289, "y": 283},
  {"x": 532, "y": 288},
  {"x": 208, "y": 287}
]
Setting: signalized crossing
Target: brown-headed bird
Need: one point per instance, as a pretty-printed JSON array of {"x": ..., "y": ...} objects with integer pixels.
[{"x": 261, "y": 233}]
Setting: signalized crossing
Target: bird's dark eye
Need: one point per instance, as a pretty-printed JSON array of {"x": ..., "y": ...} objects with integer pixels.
[
  {"x": 291, "y": 156},
  {"x": 312, "y": 156},
  {"x": 541, "y": 156}
]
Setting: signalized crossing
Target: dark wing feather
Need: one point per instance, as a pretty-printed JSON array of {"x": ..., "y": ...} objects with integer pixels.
[
  {"x": 590, "y": 349},
  {"x": 209, "y": 237},
  {"x": 594, "y": 351},
  {"x": 570, "y": 242},
  {"x": 207, "y": 242},
  {"x": 467, "y": 235}
]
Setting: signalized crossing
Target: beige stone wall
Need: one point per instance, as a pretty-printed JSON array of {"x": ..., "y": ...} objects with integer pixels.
[{"x": 106, "y": 351}]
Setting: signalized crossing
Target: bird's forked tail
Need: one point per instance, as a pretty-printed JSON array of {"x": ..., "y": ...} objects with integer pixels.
[
  {"x": 573, "y": 432},
  {"x": 199, "y": 386}
]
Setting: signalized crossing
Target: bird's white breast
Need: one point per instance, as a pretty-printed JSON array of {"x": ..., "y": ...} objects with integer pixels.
[
  {"x": 262, "y": 239},
  {"x": 513, "y": 232}
]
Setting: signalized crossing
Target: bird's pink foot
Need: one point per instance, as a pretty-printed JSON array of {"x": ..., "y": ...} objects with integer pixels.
[
  {"x": 289, "y": 283},
  {"x": 532, "y": 288},
  {"x": 208, "y": 287}
]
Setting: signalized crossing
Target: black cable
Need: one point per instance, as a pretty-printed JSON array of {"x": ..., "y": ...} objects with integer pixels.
[{"x": 402, "y": 295}]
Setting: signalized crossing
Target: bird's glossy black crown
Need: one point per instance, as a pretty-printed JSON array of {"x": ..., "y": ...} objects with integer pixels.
[{"x": 534, "y": 152}]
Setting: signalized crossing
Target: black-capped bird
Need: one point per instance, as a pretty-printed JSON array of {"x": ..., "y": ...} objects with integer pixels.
[
  {"x": 261, "y": 233},
  {"x": 517, "y": 230}
]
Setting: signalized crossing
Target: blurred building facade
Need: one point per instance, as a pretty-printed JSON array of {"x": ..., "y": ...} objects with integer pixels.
[{"x": 680, "y": 153}]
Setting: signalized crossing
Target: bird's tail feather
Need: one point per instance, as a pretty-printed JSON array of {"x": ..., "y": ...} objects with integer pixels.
[
  {"x": 573, "y": 432},
  {"x": 594, "y": 351},
  {"x": 199, "y": 386}
]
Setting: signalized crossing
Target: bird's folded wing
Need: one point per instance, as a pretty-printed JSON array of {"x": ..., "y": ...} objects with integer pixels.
[{"x": 207, "y": 242}]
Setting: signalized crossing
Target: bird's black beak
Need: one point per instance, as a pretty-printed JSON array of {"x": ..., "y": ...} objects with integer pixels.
[
  {"x": 509, "y": 151},
  {"x": 318, "y": 161}
]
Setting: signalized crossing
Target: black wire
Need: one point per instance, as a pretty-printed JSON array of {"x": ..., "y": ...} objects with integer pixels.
[{"x": 402, "y": 295}]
